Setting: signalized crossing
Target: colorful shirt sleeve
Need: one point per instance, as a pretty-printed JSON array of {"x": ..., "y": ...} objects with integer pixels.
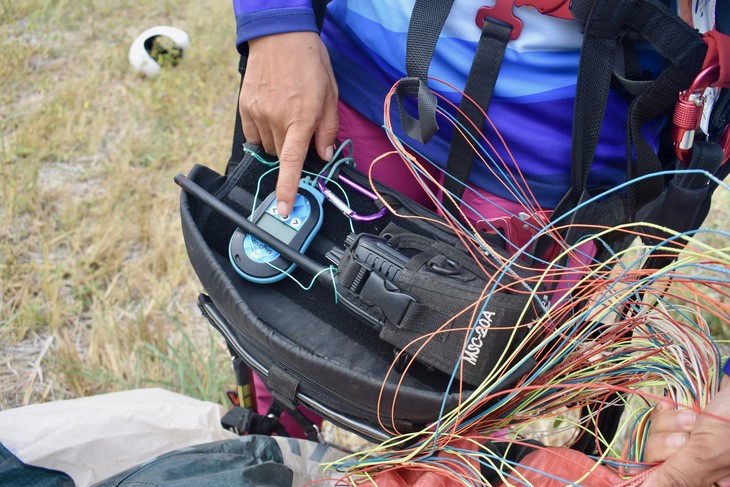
[{"x": 258, "y": 18}]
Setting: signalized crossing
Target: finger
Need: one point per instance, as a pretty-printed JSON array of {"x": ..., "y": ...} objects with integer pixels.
[
  {"x": 660, "y": 446},
  {"x": 291, "y": 159},
  {"x": 670, "y": 475},
  {"x": 268, "y": 141},
  {"x": 324, "y": 140},
  {"x": 672, "y": 421},
  {"x": 250, "y": 131},
  {"x": 326, "y": 133}
]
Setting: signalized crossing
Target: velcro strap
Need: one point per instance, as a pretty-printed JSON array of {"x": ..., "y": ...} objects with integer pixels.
[{"x": 283, "y": 386}]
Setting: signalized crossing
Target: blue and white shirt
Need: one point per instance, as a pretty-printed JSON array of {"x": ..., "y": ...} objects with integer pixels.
[{"x": 532, "y": 104}]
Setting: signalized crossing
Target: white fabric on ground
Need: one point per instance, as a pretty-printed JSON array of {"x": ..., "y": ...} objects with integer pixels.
[{"x": 92, "y": 438}]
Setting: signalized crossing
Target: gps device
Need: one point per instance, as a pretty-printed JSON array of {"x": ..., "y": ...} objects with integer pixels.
[{"x": 258, "y": 262}]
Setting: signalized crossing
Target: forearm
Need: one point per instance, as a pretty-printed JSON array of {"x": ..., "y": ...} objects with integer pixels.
[{"x": 258, "y": 18}]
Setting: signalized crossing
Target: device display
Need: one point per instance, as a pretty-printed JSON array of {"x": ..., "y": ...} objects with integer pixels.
[
  {"x": 277, "y": 228},
  {"x": 258, "y": 262}
]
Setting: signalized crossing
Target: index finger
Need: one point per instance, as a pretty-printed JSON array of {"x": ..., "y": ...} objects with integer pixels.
[{"x": 291, "y": 160}]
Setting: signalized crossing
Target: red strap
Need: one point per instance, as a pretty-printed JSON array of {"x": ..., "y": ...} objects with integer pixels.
[{"x": 718, "y": 52}]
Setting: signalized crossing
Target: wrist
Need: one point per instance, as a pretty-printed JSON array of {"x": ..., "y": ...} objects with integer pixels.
[{"x": 264, "y": 23}]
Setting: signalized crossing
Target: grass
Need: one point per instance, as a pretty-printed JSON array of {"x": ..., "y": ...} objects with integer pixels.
[{"x": 96, "y": 290}]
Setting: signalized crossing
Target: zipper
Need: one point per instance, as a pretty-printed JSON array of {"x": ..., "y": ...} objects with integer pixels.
[{"x": 347, "y": 422}]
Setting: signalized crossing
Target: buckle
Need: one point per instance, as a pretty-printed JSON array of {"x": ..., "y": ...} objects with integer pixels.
[
  {"x": 551, "y": 8},
  {"x": 502, "y": 12},
  {"x": 517, "y": 230}
]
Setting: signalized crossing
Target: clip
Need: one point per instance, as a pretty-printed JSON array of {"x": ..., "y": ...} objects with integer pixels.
[{"x": 688, "y": 114}]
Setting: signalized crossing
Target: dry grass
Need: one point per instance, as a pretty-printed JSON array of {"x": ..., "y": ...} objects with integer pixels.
[{"x": 97, "y": 292}]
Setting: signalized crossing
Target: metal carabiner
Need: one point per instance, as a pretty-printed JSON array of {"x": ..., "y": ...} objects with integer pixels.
[{"x": 688, "y": 114}]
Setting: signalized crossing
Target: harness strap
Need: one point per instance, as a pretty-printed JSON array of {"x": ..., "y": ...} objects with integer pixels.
[
  {"x": 473, "y": 108},
  {"x": 606, "y": 21},
  {"x": 427, "y": 20},
  {"x": 685, "y": 50}
]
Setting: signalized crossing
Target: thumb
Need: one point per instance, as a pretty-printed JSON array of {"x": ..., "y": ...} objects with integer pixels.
[
  {"x": 291, "y": 159},
  {"x": 683, "y": 469}
]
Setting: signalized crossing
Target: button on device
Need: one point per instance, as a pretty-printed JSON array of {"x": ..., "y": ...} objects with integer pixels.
[{"x": 296, "y": 222}]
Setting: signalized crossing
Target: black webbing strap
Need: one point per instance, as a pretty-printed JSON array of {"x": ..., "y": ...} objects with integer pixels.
[
  {"x": 683, "y": 47},
  {"x": 238, "y": 138},
  {"x": 319, "y": 7},
  {"x": 680, "y": 204},
  {"x": 473, "y": 107},
  {"x": 604, "y": 20},
  {"x": 627, "y": 69},
  {"x": 427, "y": 20}
]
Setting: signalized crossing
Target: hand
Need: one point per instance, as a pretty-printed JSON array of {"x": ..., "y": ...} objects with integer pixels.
[
  {"x": 704, "y": 458},
  {"x": 669, "y": 430},
  {"x": 289, "y": 94}
]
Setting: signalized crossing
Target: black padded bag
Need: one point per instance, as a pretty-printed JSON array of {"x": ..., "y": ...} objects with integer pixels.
[{"x": 307, "y": 348}]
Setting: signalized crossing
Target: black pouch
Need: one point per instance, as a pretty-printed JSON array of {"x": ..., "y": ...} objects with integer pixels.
[
  {"x": 438, "y": 303},
  {"x": 307, "y": 346}
]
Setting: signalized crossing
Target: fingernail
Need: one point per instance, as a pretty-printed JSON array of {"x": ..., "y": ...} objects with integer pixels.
[
  {"x": 329, "y": 152},
  {"x": 282, "y": 209},
  {"x": 676, "y": 440},
  {"x": 687, "y": 418}
]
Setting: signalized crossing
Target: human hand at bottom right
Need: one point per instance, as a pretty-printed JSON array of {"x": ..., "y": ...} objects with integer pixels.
[{"x": 704, "y": 458}]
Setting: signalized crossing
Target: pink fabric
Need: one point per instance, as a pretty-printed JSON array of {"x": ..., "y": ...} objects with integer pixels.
[
  {"x": 262, "y": 401},
  {"x": 370, "y": 141},
  {"x": 556, "y": 467},
  {"x": 546, "y": 467}
]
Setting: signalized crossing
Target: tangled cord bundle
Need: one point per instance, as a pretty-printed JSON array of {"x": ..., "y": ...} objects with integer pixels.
[{"x": 624, "y": 334}]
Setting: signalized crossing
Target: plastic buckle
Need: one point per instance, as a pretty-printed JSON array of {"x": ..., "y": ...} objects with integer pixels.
[
  {"x": 688, "y": 114},
  {"x": 383, "y": 294},
  {"x": 551, "y": 8},
  {"x": 502, "y": 12}
]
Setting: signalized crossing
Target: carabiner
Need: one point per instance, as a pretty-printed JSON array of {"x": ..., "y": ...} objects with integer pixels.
[
  {"x": 688, "y": 114},
  {"x": 341, "y": 205}
]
